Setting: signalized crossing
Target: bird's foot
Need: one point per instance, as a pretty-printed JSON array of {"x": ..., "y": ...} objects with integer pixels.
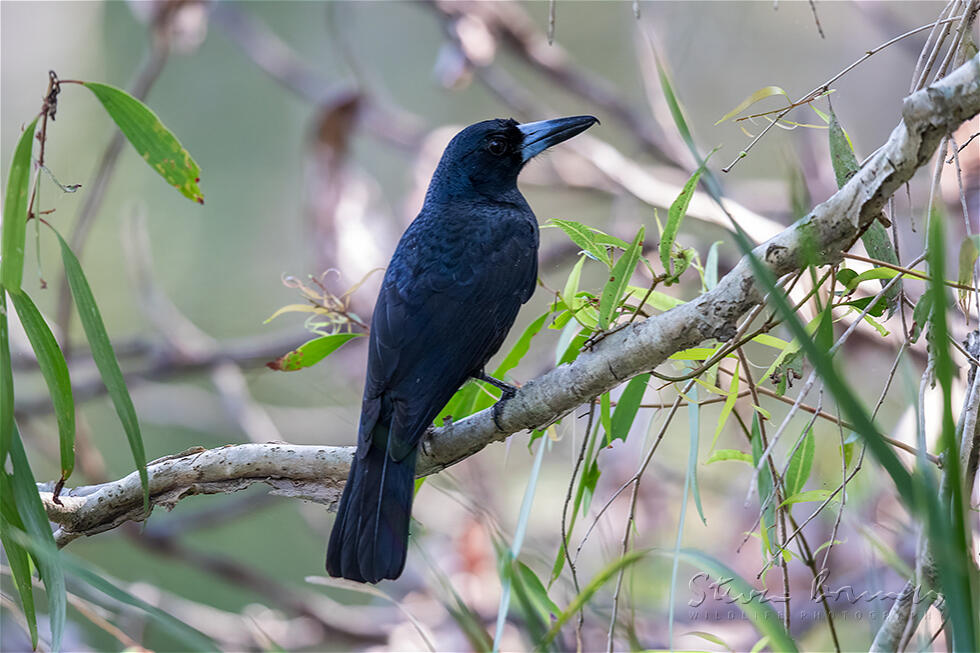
[
  {"x": 507, "y": 392},
  {"x": 497, "y": 407},
  {"x": 425, "y": 442},
  {"x": 507, "y": 389}
]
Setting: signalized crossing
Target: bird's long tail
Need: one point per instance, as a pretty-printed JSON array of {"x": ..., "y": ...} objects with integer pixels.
[{"x": 369, "y": 540}]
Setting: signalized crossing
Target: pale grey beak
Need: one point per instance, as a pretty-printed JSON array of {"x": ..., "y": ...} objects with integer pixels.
[{"x": 539, "y": 136}]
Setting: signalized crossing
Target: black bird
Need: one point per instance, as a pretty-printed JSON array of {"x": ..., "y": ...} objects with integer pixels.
[{"x": 451, "y": 293}]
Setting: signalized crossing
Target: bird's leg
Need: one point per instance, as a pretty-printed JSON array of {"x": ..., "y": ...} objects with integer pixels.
[{"x": 507, "y": 391}]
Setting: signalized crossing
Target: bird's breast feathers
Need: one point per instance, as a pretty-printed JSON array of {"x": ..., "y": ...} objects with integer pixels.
[{"x": 461, "y": 259}]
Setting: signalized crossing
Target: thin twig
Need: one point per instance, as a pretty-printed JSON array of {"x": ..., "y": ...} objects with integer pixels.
[
  {"x": 904, "y": 270},
  {"x": 819, "y": 89}
]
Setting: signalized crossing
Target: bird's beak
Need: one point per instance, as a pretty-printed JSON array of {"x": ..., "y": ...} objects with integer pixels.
[{"x": 539, "y": 136}]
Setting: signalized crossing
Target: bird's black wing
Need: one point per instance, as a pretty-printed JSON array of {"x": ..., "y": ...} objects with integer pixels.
[{"x": 436, "y": 322}]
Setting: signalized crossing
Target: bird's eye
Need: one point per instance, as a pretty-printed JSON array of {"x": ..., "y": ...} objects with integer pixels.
[{"x": 497, "y": 146}]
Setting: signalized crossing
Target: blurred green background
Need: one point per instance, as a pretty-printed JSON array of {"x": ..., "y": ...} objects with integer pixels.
[{"x": 221, "y": 264}]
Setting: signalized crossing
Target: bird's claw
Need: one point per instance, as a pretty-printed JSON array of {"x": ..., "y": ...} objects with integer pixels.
[
  {"x": 497, "y": 407},
  {"x": 507, "y": 392}
]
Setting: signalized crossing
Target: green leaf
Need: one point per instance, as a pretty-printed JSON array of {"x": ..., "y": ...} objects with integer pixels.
[
  {"x": 877, "y": 325},
  {"x": 658, "y": 300},
  {"x": 588, "y": 592},
  {"x": 759, "y": 645},
  {"x": 695, "y": 354},
  {"x": 729, "y": 405},
  {"x": 761, "y": 94},
  {"x": 607, "y": 240},
  {"x": 920, "y": 315},
  {"x": 15, "y": 212},
  {"x": 605, "y": 415},
  {"x": 846, "y": 277},
  {"x": 826, "y": 544},
  {"x": 799, "y": 465},
  {"x": 571, "y": 286},
  {"x": 55, "y": 372},
  {"x": 841, "y": 153},
  {"x": 674, "y": 218},
  {"x": 768, "y": 523},
  {"x": 875, "y": 238},
  {"x": 6, "y": 383},
  {"x": 823, "y": 116},
  {"x": 584, "y": 237},
  {"x": 729, "y": 454},
  {"x": 880, "y": 247},
  {"x": 853, "y": 279},
  {"x": 951, "y": 538},
  {"x": 590, "y": 478},
  {"x": 627, "y": 406},
  {"x": 535, "y": 589},
  {"x": 152, "y": 140},
  {"x": 680, "y": 261},
  {"x": 969, "y": 250},
  {"x": 573, "y": 346},
  {"x": 521, "y": 347},
  {"x": 587, "y": 316},
  {"x": 711, "y": 266},
  {"x": 105, "y": 360},
  {"x": 770, "y": 341},
  {"x": 45, "y": 553},
  {"x": 694, "y": 434},
  {"x": 461, "y": 404},
  {"x": 714, "y": 639},
  {"x": 806, "y": 497},
  {"x": 861, "y": 303},
  {"x": 824, "y": 334},
  {"x": 847, "y": 452},
  {"x": 619, "y": 278},
  {"x": 17, "y": 556},
  {"x": 311, "y": 352},
  {"x": 676, "y": 112}
]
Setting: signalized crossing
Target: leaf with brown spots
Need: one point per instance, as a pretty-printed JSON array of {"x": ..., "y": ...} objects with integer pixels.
[
  {"x": 152, "y": 140},
  {"x": 310, "y": 353}
]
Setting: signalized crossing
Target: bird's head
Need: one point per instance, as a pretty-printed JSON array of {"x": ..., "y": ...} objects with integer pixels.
[{"x": 487, "y": 156}]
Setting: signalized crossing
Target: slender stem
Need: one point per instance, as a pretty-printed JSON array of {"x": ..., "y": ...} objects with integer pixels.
[
  {"x": 830, "y": 81},
  {"x": 898, "y": 268}
]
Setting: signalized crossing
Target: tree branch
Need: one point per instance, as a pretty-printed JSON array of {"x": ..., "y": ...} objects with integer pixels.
[{"x": 318, "y": 473}]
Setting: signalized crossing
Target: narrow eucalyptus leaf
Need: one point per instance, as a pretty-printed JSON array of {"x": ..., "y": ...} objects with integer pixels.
[
  {"x": 619, "y": 278},
  {"x": 152, "y": 140},
  {"x": 15, "y": 212},
  {"x": 311, "y": 352},
  {"x": 55, "y": 373},
  {"x": 44, "y": 551},
  {"x": 17, "y": 556},
  {"x": 6, "y": 383},
  {"x": 627, "y": 406},
  {"x": 105, "y": 360}
]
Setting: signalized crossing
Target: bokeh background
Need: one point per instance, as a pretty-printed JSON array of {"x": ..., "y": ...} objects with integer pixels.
[{"x": 322, "y": 165}]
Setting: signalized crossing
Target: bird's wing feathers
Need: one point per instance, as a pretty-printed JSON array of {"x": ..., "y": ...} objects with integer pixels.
[{"x": 429, "y": 335}]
